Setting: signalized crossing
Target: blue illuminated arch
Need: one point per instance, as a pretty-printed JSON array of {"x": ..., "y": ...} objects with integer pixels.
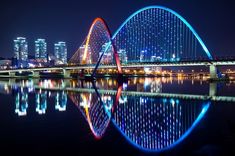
[
  {"x": 174, "y": 13},
  {"x": 205, "y": 108}
]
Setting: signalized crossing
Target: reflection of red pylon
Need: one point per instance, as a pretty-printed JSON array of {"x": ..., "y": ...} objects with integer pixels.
[
  {"x": 116, "y": 102},
  {"x": 87, "y": 99}
]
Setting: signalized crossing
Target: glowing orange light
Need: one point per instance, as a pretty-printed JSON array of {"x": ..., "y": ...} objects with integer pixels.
[{"x": 88, "y": 39}]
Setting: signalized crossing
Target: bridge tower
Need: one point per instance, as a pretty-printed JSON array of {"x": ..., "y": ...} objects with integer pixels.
[
  {"x": 12, "y": 74},
  {"x": 36, "y": 74},
  {"x": 213, "y": 72},
  {"x": 66, "y": 73}
]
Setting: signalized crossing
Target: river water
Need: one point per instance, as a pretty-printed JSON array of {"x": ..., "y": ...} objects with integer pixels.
[{"x": 165, "y": 116}]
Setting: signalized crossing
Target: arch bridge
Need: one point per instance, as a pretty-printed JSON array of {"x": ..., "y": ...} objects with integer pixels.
[{"x": 154, "y": 36}]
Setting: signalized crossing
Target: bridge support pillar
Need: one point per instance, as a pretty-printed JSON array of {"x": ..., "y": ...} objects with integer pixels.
[
  {"x": 66, "y": 73},
  {"x": 213, "y": 89},
  {"x": 82, "y": 73},
  {"x": 12, "y": 74},
  {"x": 213, "y": 72},
  {"x": 36, "y": 74}
]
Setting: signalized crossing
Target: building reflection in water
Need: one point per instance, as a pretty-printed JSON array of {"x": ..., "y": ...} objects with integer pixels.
[
  {"x": 61, "y": 101},
  {"x": 21, "y": 102},
  {"x": 41, "y": 98},
  {"x": 41, "y": 102},
  {"x": 150, "y": 123}
]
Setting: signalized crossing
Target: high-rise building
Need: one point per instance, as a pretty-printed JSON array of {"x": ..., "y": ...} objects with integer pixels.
[
  {"x": 108, "y": 55},
  {"x": 21, "y": 51},
  {"x": 41, "y": 49},
  {"x": 143, "y": 55},
  {"x": 60, "y": 50},
  {"x": 122, "y": 55}
]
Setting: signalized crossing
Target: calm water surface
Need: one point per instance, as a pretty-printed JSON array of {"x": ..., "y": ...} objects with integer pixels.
[{"x": 152, "y": 116}]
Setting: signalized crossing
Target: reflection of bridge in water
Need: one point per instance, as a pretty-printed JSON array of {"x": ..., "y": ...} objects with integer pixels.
[
  {"x": 94, "y": 110},
  {"x": 210, "y": 96},
  {"x": 156, "y": 124},
  {"x": 149, "y": 121}
]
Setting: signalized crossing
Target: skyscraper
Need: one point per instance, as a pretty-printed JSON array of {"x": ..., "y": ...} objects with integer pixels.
[
  {"x": 21, "y": 51},
  {"x": 41, "y": 49},
  {"x": 122, "y": 55},
  {"x": 60, "y": 50},
  {"x": 108, "y": 55}
]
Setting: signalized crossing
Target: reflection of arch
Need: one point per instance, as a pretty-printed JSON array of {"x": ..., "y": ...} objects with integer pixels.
[
  {"x": 138, "y": 120},
  {"x": 172, "y": 12},
  {"x": 118, "y": 95},
  {"x": 94, "y": 112},
  {"x": 155, "y": 141},
  {"x": 92, "y": 105}
]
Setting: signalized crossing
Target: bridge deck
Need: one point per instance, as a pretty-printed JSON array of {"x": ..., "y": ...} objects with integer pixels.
[{"x": 131, "y": 65}]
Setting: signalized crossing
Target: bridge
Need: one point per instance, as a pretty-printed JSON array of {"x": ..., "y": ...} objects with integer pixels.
[
  {"x": 66, "y": 70},
  {"x": 153, "y": 36}
]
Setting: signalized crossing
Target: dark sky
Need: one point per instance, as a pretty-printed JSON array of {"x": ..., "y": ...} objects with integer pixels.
[{"x": 69, "y": 20}]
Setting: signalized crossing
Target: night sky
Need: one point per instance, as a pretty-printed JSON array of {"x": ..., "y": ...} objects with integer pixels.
[{"x": 69, "y": 20}]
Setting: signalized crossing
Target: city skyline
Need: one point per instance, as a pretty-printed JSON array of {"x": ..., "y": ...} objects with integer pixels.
[
  {"x": 73, "y": 27},
  {"x": 41, "y": 56}
]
